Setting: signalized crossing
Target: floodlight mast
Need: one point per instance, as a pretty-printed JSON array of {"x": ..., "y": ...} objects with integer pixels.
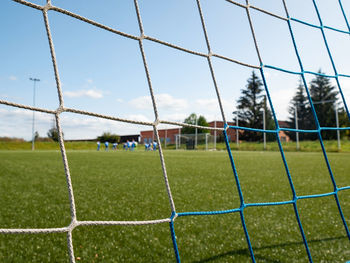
[
  {"x": 237, "y": 124},
  {"x": 296, "y": 125},
  {"x": 337, "y": 123},
  {"x": 35, "y": 80},
  {"x": 264, "y": 126},
  {"x": 196, "y": 133},
  {"x": 215, "y": 133},
  {"x": 237, "y": 131}
]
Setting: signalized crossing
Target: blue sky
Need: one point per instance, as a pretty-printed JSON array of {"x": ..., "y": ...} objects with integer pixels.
[{"x": 103, "y": 72}]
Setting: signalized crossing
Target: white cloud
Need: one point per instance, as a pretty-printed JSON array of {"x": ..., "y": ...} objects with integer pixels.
[
  {"x": 17, "y": 114},
  {"x": 89, "y": 81},
  {"x": 12, "y": 78},
  {"x": 179, "y": 117},
  {"x": 174, "y": 109},
  {"x": 165, "y": 126},
  {"x": 18, "y": 123},
  {"x": 167, "y": 101},
  {"x": 210, "y": 108},
  {"x": 83, "y": 127},
  {"x": 142, "y": 103},
  {"x": 280, "y": 100},
  {"x": 138, "y": 117},
  {"x": 345, "y": 85},
  {"x": 216, "y": 117},
  {"x": 119, "y": 100},
  {"x": 211, "y": 104},
  {"x": 164, "y": 101},
  {"x": 95, "y": 94}
]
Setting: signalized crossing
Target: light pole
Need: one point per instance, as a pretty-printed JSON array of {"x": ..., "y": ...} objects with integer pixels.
[
  {"x": 215, "y": 134},
  {"x": 337, "y": 122},
  {"x": 33, "y": 135},
  {"x": 296, "y": 125},
  {"x": 237, "y": 131},
  {"x": 264, "y": 127},
  {"x": 195, "y": 142}
]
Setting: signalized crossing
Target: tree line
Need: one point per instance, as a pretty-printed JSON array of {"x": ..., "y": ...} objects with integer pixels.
[{"x": 253, "y": 103}]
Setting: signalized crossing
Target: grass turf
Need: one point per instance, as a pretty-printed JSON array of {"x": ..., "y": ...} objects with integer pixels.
[{"x": 130, "y": 186}]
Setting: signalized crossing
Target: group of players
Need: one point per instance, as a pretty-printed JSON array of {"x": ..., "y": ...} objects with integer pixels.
[
  {"x": 128, "y": 146},
  {"x": 152, "y": 146}
]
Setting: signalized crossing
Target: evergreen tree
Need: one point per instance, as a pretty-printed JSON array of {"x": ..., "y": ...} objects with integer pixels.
[
  {"x": 344, "y": 122},
  {"x": 36, "y": 136},
  {"x": 324, "y": 97},
  {"x": 304, "y": 115},
  {"x": 53, "y": 132},
  {"x": 269, "y": 121},
  {"x": 250, "y": 106},
  {"x": 192, "y": 119}
]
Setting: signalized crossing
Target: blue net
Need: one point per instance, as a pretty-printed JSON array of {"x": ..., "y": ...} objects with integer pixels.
[
  {"x": 317, "y": 131},
  {"x": 243, "y": 204}
]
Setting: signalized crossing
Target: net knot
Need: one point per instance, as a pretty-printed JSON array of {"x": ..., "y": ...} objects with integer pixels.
[
  {"x": 156, "y": 122},
  {"x": 173, "y": 216},
  {"x": 47, "y": 7},
  {"x": 73, "y": 224},
  {"x": 226, "y": 126},
  {"x": 59, "y": 110}
]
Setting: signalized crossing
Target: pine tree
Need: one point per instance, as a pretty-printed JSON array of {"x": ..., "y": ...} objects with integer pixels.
[
  {"x": 270, "y": 123},
  {"x": 304, "y": 115},
  {"x": 344, "y": 122},
  {"x": 324, "y": 97},
  {"x": 53, "y": 132},
  {"x": 250, "y": 106}
]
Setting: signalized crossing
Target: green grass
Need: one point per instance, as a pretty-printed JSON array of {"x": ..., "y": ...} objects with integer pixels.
[
  {"x": 18, "y": 145},
  {"x": 129, "y": 186}
]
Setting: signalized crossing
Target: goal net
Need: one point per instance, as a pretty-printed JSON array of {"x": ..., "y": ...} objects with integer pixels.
[{"x": 204, "y": 141}]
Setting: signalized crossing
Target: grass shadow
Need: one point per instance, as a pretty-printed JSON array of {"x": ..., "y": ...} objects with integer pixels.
[{"x": 245, "y": 252}]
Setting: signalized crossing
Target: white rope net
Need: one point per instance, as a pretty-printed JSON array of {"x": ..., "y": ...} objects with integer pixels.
[
  {"x": 48, "y": 7},
  {"x": 74, "y": 222}
]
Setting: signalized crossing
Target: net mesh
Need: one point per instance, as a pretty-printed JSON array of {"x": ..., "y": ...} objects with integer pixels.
[{"x": 140, "y": 39}]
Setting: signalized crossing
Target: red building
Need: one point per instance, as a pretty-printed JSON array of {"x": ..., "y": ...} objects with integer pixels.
[
  {"x": 170, "y": 134},
  {"x": 283, "y": 136},
  {"x": 231, "y": 133}
]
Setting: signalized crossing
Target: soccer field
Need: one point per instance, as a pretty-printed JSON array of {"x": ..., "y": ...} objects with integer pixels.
[{"x": 130, "y": 186}]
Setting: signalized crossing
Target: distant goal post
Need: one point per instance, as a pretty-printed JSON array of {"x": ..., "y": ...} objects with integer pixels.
[{"x": 200, "y": 141}]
